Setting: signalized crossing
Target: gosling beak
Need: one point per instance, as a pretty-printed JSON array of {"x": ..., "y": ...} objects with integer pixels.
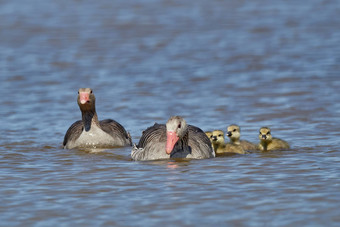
[
  {"x": 229, "y": 133},
  {"x": 214, "y": 138},
  {"x": 264, "y": 137}
]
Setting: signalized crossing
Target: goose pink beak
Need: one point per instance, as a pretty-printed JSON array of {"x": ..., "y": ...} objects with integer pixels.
[
  {"x": 171, "y": 140},
  {"x": 84, "y": 97}
]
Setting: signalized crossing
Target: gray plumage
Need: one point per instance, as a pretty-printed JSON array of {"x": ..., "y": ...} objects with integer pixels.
[
  {"x": 91, "y": 133},
  {"x": 193, "y": 143}
]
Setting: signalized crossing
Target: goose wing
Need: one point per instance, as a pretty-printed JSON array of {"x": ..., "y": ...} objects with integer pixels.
[
  {"x": 73, "y": 132},
  {"x": 151, "y": 145},
  {"x": 200, "y": 143},
  {"x": 116, "y": 130}
]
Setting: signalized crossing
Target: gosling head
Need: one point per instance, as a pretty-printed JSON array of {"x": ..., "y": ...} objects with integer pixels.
[
  {"x": 176, "y": 128},
  {"x": 234, "y": 132},
  {"x": 86, "y": 99},
  {"x": 217, "y": 137},
  {"x": 265, "y": 134}
]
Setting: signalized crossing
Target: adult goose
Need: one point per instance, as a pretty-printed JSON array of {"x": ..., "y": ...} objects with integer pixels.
[
  {"x": 176, "y": 139},
  {"x": 92, "y": 133}
]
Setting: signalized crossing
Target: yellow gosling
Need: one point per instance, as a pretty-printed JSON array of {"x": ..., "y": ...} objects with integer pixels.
[
  {"x": 268, "y": 143},
  {"x": 208, "y": 133},
  {"x": 221, "y": 148},
  {"x": 234, "y": 134}
]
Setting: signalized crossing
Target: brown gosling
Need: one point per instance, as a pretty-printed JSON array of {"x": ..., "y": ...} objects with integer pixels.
[
  {"x": 268, "y": 143},
  {"x": 221, "y": 148},
  {"x": 234, "y": 134}
]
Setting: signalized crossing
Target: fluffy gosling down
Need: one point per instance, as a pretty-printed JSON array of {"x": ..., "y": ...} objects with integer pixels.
[
  {"x": 221, "y": 148},
  {"x": 268, "y": 143},
  {"x": 234, "y": 134}
]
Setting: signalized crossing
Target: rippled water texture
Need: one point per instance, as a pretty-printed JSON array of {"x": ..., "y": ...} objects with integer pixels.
[{"x": 254, "y": 63}]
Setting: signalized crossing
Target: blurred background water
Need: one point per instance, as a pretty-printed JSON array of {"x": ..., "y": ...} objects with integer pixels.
[{"x": 253, "y": 63}]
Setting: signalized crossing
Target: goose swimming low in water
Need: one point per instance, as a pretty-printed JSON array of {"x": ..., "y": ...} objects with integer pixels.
[
  {"x": 175, "y": 139},
  {"x": 268, "y": 143},
  {"x": 92, "y": 133},
  {"x": 234, "y": 134},
  {"x": 222, "y": 148}
]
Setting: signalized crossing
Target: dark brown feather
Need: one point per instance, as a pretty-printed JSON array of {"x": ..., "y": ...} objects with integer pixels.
[
  {"x": 115, "y": 129},
  {"x": 157, "y": 131},
  {"x": 73, "y": 132}
]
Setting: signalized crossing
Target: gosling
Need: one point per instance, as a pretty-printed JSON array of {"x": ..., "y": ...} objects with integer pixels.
[
  {"x": 221, "y": 148},
  {"x": 268, "y": 143},
  {"x": 209, "y": 133},
  {"x": 234, "y": 134}
]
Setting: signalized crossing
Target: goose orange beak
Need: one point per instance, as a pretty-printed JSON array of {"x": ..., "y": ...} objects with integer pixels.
[
  {"x": 171, "y": 140},
  {"x": 84, "y": 97}
]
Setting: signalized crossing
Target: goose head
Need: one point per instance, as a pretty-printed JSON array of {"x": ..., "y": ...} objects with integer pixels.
[
  {"x": 86, "y": 99},
  {"x": 265, "y": 134},
  {"x": 176, "y": 129},
  {"x": 217, "y": 137},
  {"x": 234, "y": 132}
]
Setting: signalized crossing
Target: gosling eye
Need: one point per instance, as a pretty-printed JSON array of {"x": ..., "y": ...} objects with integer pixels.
[
  {"x": 78, "y": 92},
  {"x": 91, "y": 91},
  {"x": 179, "y": 125},
  {"x": 220, "y": 135},
  {"x": 234, "y": 130},
  {"x": 260, "y": 133},
  {"x": 268, "y": 133}
]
